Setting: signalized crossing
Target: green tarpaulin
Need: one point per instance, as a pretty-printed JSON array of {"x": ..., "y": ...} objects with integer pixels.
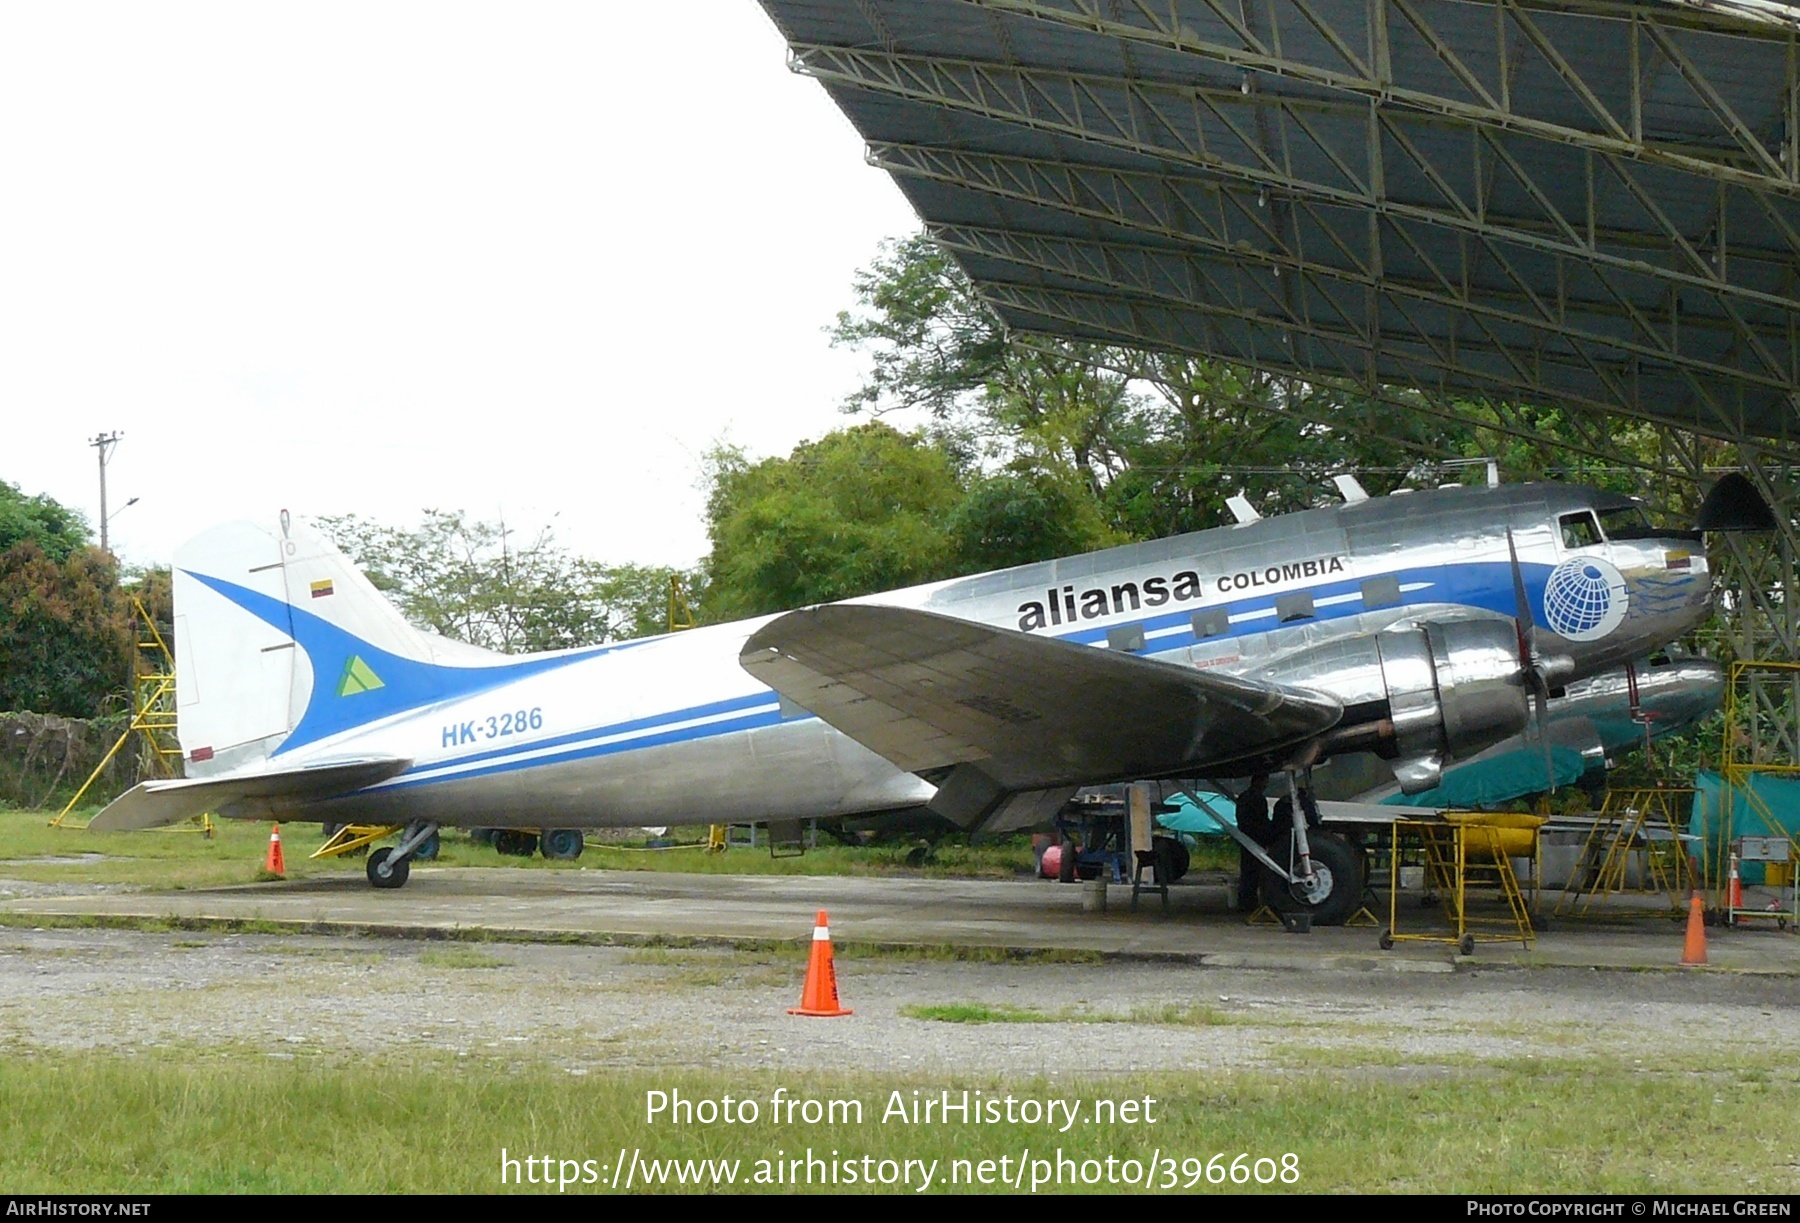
[
  {"x": 1500, "y": 779},
  {"x": 1764, "y": 806}
]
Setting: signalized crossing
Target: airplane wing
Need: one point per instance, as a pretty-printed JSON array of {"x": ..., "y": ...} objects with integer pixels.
[
  {"x": 1006, "y": 712},
  {"x": 150, "y": 804}
]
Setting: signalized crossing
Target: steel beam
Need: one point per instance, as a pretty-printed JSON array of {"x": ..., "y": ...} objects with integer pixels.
[{"x": 1221, "y": 32}]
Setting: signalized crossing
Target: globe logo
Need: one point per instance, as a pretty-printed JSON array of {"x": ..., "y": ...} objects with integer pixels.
[{"x": 1584, "y": 599}]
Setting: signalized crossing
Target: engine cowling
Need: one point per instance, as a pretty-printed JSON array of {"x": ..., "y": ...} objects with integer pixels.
[{"x": 1453, "y": 689}]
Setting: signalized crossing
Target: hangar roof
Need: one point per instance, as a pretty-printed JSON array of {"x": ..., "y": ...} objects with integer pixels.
[{"x": 1573, "y": 201}]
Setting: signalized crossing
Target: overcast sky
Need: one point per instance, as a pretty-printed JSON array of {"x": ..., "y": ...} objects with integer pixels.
[{"x": 524, "y": 258}]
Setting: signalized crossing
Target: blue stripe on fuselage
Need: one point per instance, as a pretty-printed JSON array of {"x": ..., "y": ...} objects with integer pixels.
[
  {"x": 733, "y": 705},
  {"x": 753, "y": 721},
  {"x": 1483, "y": 584},
  {"x": 1471, "y": 584}
]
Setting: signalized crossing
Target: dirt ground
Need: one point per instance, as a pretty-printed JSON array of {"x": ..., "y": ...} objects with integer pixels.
[{"x": 589, "y": 1007}]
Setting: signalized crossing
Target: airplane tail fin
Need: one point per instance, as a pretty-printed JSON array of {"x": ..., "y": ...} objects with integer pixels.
[{"x": 280, "y": 639}]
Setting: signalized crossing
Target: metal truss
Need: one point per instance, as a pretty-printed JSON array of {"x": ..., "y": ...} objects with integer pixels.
[
  {"x": 1609, "y": 61},
  {"x": 1330, "y": 304},
  {"x": 1581, "y": 436},
  {"x": 1307, "y": 350},
  {"x": 1470, "y": 219}
]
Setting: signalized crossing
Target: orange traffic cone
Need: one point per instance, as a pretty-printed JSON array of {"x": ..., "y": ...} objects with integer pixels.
[
  {"x": 820, "y": 996},
  {"x": 274, "y": 865},
  {"x": 1734, "y": 897},
  {"x": 1694, "y": 952}
]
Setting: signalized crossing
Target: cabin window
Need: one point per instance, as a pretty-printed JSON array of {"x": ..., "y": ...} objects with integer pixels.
[
  {"x": 1215, "y": 622},
  {"x": 1297, "y": 606},
  {"x": 1383, "y": 591},
  {"x": 1129, "y": 638},
  {"x": 1579, "y": 530}
]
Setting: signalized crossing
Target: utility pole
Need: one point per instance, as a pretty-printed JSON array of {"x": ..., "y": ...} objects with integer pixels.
[{"x": 103, "y": 443}]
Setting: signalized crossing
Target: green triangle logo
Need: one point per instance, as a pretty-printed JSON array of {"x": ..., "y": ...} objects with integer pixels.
[{"x": 358, "y": 677}]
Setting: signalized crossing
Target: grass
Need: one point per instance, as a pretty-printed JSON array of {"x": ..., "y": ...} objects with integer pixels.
[
  {"x": 1166, "y": 1015},
  {"x": 459, "y": 957},
  {"x": 214, "y": 1120},
  {"x": 234, "y": 855}
]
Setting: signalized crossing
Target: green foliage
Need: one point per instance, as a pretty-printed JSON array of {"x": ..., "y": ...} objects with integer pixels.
[
  {"x": 1017, "y": 517},
  {"x": 53, "y": 527},
  {"x": 933, "y": 341},
  {"x": 154, "y": 589},
  {"x": 470, "y": 581},
  {"x": 1159, "y": 441},
  {"x": 859, "y": 510},
  {"x": 65, "y": 632}
]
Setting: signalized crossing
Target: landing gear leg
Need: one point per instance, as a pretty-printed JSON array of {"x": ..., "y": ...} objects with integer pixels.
[
  {"x": 1325, "y": 878},
  {"x": 389, "y": 868}
]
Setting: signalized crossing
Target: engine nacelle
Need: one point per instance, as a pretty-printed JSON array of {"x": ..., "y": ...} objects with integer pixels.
[{"x": 1452, "y": 689}]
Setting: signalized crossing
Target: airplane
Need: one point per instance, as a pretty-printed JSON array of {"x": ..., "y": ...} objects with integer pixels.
[
  {"x": 1589, "y": 724},
  {"x": 1421, "y": 626}
]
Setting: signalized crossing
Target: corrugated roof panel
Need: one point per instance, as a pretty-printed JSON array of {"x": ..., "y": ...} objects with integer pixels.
[{"x": 1587, "y": 202}]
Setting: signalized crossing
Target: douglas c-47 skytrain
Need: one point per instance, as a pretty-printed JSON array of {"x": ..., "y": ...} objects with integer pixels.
[{"x": 1417, "y": 626}]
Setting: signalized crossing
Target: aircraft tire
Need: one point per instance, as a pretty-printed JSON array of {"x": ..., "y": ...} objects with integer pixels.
[
  {"x": 1335, "y": 856},
  {"x": 515, "y": 844},
  {"x": 395, "y": 878},
  {"x": 1173, "y": 852},
  {"x": 562, "y": 844},
  {"x": 428, "y": 848}
]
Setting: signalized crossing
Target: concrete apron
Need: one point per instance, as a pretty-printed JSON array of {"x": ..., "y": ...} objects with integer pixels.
[{"x": 1018, "y": 916}]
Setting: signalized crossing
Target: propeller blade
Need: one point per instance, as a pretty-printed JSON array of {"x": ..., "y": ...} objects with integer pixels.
[
  {"x": 1540, "y": 709},
  {"x": 1527, "y": 629},
  {"x": 1530, "y": 664}
]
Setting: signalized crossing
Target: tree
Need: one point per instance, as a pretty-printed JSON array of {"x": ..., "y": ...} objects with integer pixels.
[
  {"x": 860, "y": 510},
  {"x": 53, "y": 527},
  {"x": 470, "y": 581},
  {"x": 65, "y": 632},
  {"x": 1161, "y": 440},
  {"x": 1023, "y": 515}
]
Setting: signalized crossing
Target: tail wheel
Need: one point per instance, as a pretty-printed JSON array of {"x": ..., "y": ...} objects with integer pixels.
[
  {"x": 385, "y": 874},
  {"x": 1336, "y": 890}
]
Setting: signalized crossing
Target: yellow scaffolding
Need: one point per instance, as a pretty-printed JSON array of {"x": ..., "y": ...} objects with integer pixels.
[
  {"x": 681, "y": 613},
  {"x": 1645, "y": 828},
  {"x": 1761, "y": 697},
  {"x": 1463, "y": 851},
  {"x": 152, "y": 721}
]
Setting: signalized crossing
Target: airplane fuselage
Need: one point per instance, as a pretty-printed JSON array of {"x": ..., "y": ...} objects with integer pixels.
[{"x": 1390, "y": 605}]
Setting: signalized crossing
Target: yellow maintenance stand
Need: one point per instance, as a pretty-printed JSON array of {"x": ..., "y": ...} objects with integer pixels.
[
  {"x": 1460, "y": 851},
  {"x": 1640, "y": 832}
]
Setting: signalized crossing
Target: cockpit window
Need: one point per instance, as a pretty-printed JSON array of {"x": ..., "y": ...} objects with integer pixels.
[
  {"x": 1579, "y": 530},
  {"x": 1627, "y": 522}
]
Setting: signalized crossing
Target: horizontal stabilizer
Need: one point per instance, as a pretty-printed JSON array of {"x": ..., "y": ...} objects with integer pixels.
[
  {"x": 928, "y": 692},
  {"x": 151, "y": 804}
]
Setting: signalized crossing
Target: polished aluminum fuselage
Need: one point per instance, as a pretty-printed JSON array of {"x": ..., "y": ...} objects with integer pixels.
[{"x": 673, "y": 731}]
